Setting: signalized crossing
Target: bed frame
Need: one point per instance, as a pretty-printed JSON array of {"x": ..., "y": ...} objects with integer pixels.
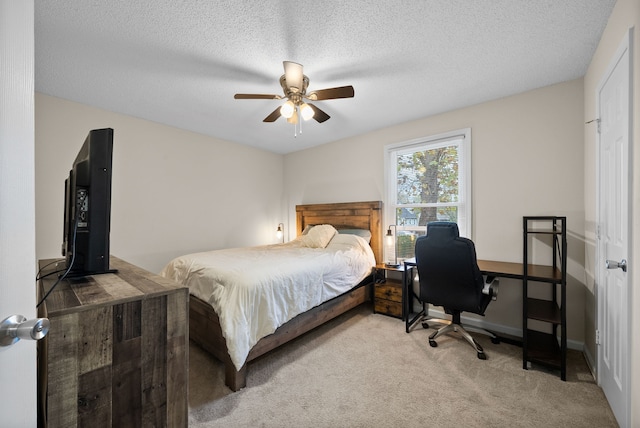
[{"x": 204, "y": 325}]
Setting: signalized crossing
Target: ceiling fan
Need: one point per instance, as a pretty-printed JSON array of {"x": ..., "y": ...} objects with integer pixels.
[{"x": 294, "y": 84}]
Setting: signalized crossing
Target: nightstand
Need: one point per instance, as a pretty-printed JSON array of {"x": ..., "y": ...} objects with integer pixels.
[{"x": 388, "y": 296}]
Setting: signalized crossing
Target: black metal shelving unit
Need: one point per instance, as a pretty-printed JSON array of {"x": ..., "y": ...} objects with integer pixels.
[{"x": 548, "y": 348}]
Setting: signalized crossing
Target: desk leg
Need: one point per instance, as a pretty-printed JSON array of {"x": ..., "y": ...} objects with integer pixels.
[
  {"x": 407, "y": 298},
  {"x": 420, "y": 315}
]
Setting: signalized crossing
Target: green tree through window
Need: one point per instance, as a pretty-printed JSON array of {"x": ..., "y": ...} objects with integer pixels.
[{"x": 428, "y": 181}]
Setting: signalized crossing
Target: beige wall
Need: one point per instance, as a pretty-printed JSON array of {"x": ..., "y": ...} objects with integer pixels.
[
  {"x": 626, "y": 14},
  {"x": 174, "y": 191},
  {"x": 527, "y": 159}
]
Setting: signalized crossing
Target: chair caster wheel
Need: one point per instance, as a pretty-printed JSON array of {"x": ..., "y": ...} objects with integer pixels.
[
  {"x": 433, "y": 343},
  {"x": 495, "y": 340},
  {"x": 482, "y": 356},
  {"x": 425, "y": 325}
]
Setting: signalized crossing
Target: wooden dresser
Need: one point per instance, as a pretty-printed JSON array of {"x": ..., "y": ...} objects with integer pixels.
[{"x": 117, "y": 350}]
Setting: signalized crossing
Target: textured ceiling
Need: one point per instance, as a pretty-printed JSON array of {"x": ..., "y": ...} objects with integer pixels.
[{"x": 180, "y": 62}]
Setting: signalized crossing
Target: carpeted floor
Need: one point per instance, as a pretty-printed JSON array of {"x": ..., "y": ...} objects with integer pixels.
[{"x": 363, "y": 370}]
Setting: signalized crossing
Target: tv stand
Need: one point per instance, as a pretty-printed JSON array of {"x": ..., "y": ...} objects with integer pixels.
[
  {"x": 73, "y": 275},
  {"x": 117, "y": 351}
]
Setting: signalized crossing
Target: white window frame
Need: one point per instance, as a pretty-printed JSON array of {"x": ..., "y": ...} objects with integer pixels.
[{"x": 429, "y": 142}]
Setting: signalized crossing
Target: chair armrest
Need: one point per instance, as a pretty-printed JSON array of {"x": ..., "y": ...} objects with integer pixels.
[{"x": 490, "y": 288}]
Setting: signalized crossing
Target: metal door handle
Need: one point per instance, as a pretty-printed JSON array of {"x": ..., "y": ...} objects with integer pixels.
[
  {"x": 17, "y": 327},
  {"x": 622, "y": 264}
]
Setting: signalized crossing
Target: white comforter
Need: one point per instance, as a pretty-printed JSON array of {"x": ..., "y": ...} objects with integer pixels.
[{"x": 255, "y": 290}]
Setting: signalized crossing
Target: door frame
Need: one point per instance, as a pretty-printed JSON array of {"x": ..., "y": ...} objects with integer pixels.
[{"x": 625, "y": 47}]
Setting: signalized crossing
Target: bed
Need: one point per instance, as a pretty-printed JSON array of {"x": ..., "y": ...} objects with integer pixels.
[{"x": 223, "y": 333}]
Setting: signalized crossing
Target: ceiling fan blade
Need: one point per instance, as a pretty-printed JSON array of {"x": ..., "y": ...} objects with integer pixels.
[
  {"x": 318, "y": 114},
  {"x": 256, "y": 97},
  {"x": 332, "y": 93},
  {"x": 273, "y": 116},
  {"x": 293, "y": 74}
]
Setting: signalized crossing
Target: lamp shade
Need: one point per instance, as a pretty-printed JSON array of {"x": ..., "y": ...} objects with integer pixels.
[
  {"x": 293, "y": 75},
  {"x": 306, "y": 111},
  {"x": 389, "y": 236},
  {"x": 287, "y": 109},
  {"x": 280, "y": 232},
  {"x": 391, "y": 242}
]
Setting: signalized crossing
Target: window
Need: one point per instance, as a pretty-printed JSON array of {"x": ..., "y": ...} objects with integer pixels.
[{"x": 427, "y": 180}]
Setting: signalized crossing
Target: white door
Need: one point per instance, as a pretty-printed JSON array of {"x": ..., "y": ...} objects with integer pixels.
[
  {"x": 17, "y": 210},
  {"x": 614, "y": 112}
]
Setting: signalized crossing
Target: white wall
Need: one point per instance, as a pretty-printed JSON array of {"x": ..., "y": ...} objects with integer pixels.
[
  {"x": 626, "y": 14},
  {"x": 527, "y": 159},
  {"x": 173, "y": 191}
]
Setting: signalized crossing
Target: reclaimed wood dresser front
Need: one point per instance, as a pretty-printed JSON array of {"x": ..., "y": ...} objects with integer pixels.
[{"x": 116, "y": 354}]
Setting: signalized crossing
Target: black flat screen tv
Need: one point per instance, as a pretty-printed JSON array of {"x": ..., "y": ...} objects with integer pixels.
[{"x": 87, "y": 207}]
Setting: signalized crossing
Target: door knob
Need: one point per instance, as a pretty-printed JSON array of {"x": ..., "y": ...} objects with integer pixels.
[
  {"x": 622, "y": 264},
  {"x": 17, "y": 327}
]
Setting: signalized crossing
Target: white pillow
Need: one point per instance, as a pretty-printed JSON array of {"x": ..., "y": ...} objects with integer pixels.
[
  {"x": 319, "y": 236},
  {"x": 345, "y": 242}
]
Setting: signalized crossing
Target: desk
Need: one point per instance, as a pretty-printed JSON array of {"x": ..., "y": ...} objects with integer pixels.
[
  {"x": 501, "y": 269},
  {"x": 515, "y": 271},
  {"x": 538, "y": 346},
  {"x": 487, "y": 267}
]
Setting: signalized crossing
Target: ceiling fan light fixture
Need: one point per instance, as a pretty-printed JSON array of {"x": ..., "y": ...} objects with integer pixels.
[
  {"x": 306, "y": 111},
  {"x": 287, "y": 109},
  {"x": 294, "y": 87},
  {"x": 293, "y": 75},
  {"x": 293, "y": 118}
]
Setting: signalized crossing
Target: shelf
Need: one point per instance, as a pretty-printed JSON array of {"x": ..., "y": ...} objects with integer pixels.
[
  {"x": 543, "y": 310},
  {"x": 545, "y": 231},
  {"x": 539, "y": 347},
  {"x": 384, "y": 266},
  {"x": 543, "y": 348},
  {"x": 544, "y": 273}
]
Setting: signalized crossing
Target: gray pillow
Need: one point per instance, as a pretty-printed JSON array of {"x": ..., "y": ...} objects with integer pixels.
[{"x": 363, "y": 233}]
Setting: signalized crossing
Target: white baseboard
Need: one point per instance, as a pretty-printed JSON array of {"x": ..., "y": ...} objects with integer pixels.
[
  {"x": 499, "y": 328},
  {"x": 591, "y": 362}
]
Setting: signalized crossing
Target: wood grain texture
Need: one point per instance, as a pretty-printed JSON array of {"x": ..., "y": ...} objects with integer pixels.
[
  {"x": 117, "y": 351},
  {"x": 345, "y": 215},
  {"x": 388, "y": 298}
]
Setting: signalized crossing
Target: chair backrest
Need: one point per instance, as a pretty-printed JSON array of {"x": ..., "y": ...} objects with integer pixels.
[{"x": 448, "y": 269}]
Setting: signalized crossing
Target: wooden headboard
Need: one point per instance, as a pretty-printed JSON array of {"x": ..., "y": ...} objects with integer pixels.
[{"x": 345, "y": 215}]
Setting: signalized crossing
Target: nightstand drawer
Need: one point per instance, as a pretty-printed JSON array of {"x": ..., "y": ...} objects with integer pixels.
[
  {"x": 388, "y": 307},
  {"x": 390, "y": 290}
]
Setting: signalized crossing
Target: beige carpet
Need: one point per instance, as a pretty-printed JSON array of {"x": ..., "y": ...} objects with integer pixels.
[{"x": 363, "y": 370}]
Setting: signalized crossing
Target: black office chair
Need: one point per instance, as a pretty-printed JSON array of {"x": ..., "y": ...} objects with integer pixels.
[{"x": 449, "y": 276}]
